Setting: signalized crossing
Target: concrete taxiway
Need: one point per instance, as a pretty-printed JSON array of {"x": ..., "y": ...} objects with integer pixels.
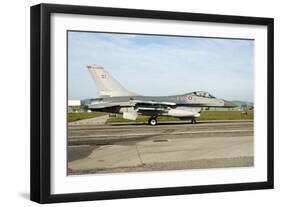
[
  {"x": 100, "y": 120},
  {"x": 167, "y": 146}
]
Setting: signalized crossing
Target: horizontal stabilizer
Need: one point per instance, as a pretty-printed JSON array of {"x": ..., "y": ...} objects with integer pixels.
[{"x": 102, "y": 105}]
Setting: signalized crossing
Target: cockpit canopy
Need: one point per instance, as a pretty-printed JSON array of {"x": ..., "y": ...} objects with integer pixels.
[{"x": 202, "y": 94}]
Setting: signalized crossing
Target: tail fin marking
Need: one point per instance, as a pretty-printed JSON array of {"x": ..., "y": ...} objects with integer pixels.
[{"x": 107, "y": 86}]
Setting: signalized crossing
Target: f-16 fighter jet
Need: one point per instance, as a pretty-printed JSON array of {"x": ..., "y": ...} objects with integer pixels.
[{"x": 114, "y": 98}]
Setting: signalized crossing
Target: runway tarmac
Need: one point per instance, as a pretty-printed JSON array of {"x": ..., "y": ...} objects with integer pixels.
[{"x": 167, "y": 146}]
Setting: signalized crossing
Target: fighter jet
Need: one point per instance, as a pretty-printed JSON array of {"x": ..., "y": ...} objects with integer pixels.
[{"x": 114, "y": 98}]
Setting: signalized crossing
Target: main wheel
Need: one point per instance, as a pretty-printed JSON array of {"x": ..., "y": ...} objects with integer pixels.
[
  {"x": 152, "y": 121},
  {"x": 193, "y": 121}
]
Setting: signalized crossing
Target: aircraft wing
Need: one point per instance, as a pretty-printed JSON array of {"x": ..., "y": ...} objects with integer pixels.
[
  {"x": 153, "y": 106},
  {"x": 140, "y": 105},
  {"x": 153, "y": 103}
]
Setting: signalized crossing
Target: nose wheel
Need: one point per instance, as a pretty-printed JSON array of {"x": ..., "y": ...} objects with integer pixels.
[{"x": 152, "y": 121}]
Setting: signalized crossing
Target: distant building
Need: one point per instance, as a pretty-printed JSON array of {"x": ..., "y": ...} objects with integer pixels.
[
  {"x": 241, "y": 106},
  {"x": 222, "y": 109},
  {"x": 74, "y": 106}
]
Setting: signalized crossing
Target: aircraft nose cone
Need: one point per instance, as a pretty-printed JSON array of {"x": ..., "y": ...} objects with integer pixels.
[{"x": 229, "y": 104}]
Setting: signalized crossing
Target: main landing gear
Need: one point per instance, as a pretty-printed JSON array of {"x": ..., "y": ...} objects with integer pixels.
[
  {"x": 152, "y": 121},
  {"x": 193, "y": 121}
]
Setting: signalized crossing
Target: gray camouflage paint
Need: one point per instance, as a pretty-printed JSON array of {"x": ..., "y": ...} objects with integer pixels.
[{"x": 116, "y": 99}]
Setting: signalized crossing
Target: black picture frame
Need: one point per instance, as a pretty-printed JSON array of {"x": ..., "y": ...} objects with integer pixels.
[{"x": 41, "y": 102}]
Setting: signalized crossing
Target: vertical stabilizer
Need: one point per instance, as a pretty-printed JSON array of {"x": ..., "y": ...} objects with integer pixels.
[{"x": 107, "y": 86}]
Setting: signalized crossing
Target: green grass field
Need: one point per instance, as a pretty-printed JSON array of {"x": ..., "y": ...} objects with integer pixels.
[
  {"x": 141, "y": 119},
  {"x": 226, "y": 115},
  {"x": 205, "y": 115},
  {"x": 82, "y": 115}
]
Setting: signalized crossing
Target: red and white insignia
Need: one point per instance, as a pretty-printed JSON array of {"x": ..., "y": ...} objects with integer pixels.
[{"x": 189, "y": 98}]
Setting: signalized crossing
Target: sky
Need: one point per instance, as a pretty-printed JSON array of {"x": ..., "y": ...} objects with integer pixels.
[{"x": 155, "y": 65}]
